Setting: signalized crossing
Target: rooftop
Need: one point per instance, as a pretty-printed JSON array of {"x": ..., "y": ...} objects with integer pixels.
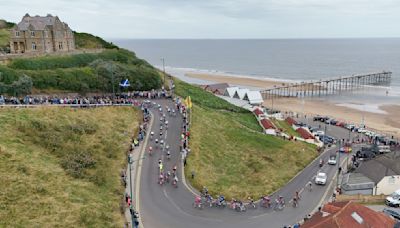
[
  {"x": 381, "y": 166},
  {"x": 356, "y": 181},
  {"x": 348, "y": 214}
]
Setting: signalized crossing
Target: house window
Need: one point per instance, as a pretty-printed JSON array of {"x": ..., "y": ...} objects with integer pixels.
[
  {"x": 60, "y": 45},
  {"x": 33, "y": 46},
  {"x": 17, "y": 33},
  {"x": 32, "y": 33}
]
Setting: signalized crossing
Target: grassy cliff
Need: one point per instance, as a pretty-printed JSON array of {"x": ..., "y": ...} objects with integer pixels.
[
  {"x": 59, "y": 167},
  {"x": 89, "y": 41},
  {"x": 78, "y": 73},
  {"x": 231, "y": 156}
]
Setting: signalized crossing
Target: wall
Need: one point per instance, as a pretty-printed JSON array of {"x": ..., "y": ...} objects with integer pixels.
[
  {"x": 388, "y": 185},
  {"x": 361, "y": 198}
]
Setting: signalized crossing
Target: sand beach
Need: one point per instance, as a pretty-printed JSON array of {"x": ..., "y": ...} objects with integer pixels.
[{"x": 386, "y": 122}]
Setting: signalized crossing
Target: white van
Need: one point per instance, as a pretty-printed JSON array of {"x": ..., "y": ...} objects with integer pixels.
[{"x": 394, "y": 199}]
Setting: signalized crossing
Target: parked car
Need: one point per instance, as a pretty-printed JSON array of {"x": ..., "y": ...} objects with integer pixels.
[
  {"x": 334, "y": 122},
  {"x": 361, "y": 130},
  {"x": 394, "y": 199},
  {"x": 349, "y": 126},
  {"x": 395, "y": 213},
  {"x": 320, "y": 178},
  {"x": 332, "y": 160},
  {"x": 319, "y": 133}
]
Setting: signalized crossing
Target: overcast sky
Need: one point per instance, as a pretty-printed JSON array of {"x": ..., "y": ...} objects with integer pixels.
[{"x": 218, "y": 18}]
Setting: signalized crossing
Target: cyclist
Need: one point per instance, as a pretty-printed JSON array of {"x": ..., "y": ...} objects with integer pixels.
[
  {"x": 297, "y": 195},
  {"x": 295, "y": 202},
  {"x": 221, "y": 200},
  {"x": 156, "y": 141},
  {"x": 168, "y": 155},
  {"x": 175, "y": 182},
  {"x": 150, "y": 150},
  {"x": 197, "y": 201},
  {"x": 168, "y": 176},
  {"x": 161, "y": 178},
  {"x": 309, "y": 185},
  {"x": 151, "y": 135},
  {"x": 174, "y": 170},
  {"x": 251, "y": 202}
]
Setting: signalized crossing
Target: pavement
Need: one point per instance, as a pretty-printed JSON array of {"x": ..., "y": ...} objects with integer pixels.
[{"x": 166, "y": 206}]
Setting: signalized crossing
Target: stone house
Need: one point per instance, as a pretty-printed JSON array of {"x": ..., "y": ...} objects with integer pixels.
[{"x": 41, "y": 35}]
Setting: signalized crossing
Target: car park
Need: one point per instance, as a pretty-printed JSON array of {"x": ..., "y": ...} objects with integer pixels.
[
  {"x": 332, "y": 160},
  {"x": 320, "y": 179},
  {"x": 394, "y": 199},
  {"x": 395, "y": 213},
  {"x": 361, "y": 130}
]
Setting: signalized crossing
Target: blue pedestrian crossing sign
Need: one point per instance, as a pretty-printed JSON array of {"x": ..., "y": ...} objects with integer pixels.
[{"x": 124, "y": 83}]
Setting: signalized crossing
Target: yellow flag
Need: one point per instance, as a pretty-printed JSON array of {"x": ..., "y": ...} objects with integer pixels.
[
  {"x": 190, "y": 102},
  {"x": 187, "y": 102}
]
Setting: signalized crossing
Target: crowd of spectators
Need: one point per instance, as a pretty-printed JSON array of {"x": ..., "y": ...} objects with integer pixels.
[{"x": 104, "y": 99}]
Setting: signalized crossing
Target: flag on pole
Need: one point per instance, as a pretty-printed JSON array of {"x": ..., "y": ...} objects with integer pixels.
[
  {"x": 124, "y": 83},
  {"x": 188, "y": 102}
]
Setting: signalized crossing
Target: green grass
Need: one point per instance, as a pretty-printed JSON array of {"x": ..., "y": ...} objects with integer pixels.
[
  {"x": 80, "y": 73},
  {"x": 5, "y": 34},
  {"x": 59, "y": 167},
  {"x": 89, "y": 41},
  {"x": 282, "y": 124},
  {"x": 231, "y": 156}
]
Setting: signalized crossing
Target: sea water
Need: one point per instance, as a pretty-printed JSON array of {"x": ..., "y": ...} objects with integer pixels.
[{"x": 282, "y": 59}]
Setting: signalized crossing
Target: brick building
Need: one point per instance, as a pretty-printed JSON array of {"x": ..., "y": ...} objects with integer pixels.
[{"x": 41, "y": 35}]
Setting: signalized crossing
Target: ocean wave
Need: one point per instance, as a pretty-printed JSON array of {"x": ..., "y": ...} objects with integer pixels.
[{"x": 227, "y": 74}]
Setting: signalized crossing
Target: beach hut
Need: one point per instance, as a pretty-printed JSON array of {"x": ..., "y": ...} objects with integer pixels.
[
  {"x": 254, "y": 97},
  {"x": 268, "y": 126},
  {"x": 230, "y": 91},
  {"x": 240, "y": 93},
  {"x": 305, "y": 134},
  {"x": 290, "y": 121},
  {"x": 258, "y": 113}
]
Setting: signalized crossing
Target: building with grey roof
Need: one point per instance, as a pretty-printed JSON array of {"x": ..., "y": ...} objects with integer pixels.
[
  {"x": 41, "y": 35},
  {"x": 357, "y": 183}
]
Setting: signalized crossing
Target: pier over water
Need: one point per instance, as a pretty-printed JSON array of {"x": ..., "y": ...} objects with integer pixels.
[{"x": 328, "y": 86}]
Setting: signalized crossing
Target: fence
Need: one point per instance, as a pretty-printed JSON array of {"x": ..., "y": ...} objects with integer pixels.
[{"x": 361, "y": 198}]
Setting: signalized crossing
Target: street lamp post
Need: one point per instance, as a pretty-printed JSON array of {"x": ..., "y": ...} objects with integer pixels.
[
  {"x": 163, "y": 63},
  {"x": 338, "y": 164}
]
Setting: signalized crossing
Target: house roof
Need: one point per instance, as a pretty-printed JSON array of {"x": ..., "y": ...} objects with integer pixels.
[
  {"x": 230, "y": 91},
  {"x": 37, "y": 22},
  {"x": 356, "y": 181},
  {"x": 304, "y": 133},
  {"x": 240, "y": 93},
  {"x": 380, "y": 166},
  {"x": 254, "y": 97},
  {"x": 267, "y": 124},
  {"x": 348, "y": 214},
  {"x": 217, "y": 86},
  {"x": 291, "y": 121},
  {"x": 258, "y": 112}
]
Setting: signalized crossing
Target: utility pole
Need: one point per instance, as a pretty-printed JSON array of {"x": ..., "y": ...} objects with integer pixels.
[
  {"x": 338, "y": 164},
  {"x": 163, "y": 64}
]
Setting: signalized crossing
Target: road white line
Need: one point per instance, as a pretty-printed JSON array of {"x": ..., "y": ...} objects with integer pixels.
[
  {"x": 137, "y": 179},
  {"x": 183, "y": 212}
]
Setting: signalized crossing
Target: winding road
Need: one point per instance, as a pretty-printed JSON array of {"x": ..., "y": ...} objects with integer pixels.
[{"x": 169, "y": 207}]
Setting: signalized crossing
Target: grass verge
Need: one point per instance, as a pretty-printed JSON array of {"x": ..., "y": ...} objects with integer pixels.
[
  {"x": 59, "y": 167},
  {"x": 231, "y": 156},
  {"x": 282, "y": 124}
]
